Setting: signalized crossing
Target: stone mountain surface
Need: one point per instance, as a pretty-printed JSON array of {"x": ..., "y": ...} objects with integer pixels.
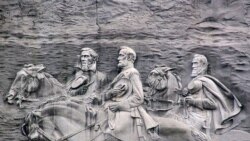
[{"x": 52, "y": 32}]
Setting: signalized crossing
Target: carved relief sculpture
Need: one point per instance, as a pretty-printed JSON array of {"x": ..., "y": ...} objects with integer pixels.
[
  {"x": 120, "y": 111},
  {"x": 124, "y": 101},
  {"x": 32, "y": 83},
  {"x": 211, "y": 106},
  {"x": 164, "y": 88},
  {"x": 87, "y": 80},
  {"x": 120, "y": 116},
  {"x": 124, "y": 70}
]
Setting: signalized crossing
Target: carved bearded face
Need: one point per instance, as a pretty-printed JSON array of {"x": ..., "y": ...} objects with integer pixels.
[
  {"x": 122, "y": 59},
  {"x": 86, "y": 60},
  {"x": 198, "y": 67}
]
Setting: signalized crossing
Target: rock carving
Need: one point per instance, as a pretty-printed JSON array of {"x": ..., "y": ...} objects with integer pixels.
[
  {"x": 164, "y": 88},
  {"x": 124, "y": 101},
  {"x": 32, "y": 83},
  {"x": 204, "y": 108},
  {"x": 87, "y": 81},
  {"x": 120, "y": 116},
  {"x": 210, "y": 105}
]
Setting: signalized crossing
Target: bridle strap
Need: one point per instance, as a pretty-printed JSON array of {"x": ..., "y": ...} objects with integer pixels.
[{"x": 49, "y": 137}]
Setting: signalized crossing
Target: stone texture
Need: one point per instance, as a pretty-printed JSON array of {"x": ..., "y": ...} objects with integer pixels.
[{"x": 52, "y": 32}]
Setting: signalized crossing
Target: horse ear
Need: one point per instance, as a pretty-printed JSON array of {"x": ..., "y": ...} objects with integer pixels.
[
  {"x": 40, "y": 67},
  {"x": 28, "y": 65},
  {"x": 158, "y": 66}
]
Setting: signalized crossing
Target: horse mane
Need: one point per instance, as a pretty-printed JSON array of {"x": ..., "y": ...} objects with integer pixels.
[
  {"x": 53, "y": 100},
  {"x": 53, "y": 80}
]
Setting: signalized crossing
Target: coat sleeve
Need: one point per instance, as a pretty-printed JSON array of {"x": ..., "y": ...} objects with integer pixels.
[
  {"x": 204, "y": 103},
  {"x": 137, "y": 97}
]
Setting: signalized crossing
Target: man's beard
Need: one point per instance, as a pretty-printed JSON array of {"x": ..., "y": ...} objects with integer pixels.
[
  {"x": 120, "y": 66},
  {"x": 197, "y": 71},
  {"x": 85, "y": 67},
  {"x": 88, "y": 66},
  {"x": 194, "y": 73}
]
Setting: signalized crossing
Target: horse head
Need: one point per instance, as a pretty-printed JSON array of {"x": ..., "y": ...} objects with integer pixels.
[
  {"x": 59, "y": 119},
  {"x": 164, "y": 86},
  {"x": 158, "y": 79},
  {"x": 163, "y": 81},
  {"x": 32, "y": 81},
  {"x": 30, "y": 127}
]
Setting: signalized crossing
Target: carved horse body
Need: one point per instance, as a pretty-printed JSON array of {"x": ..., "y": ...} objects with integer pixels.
[
  {"x": 69, "y": 119},
  {"x": 164, "y": 94},
  {"x": 60, "y": 120}
]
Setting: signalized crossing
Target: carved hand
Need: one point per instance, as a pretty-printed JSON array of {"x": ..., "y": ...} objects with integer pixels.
[
  {"x": 190, "y": 101},
  {"x": 114, "y": 107},
  {"x": 108, "y": 95},
  {"x": 117, "y": 106},
  {"x": 111, "y": 93},
  {"x": 182, "y": 101},
  {"x": 185, "y": 92},
  {"x": 93, "y": 96}
]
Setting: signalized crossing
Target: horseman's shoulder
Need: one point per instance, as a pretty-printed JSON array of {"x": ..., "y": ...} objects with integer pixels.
[
  {"x": 208, "y": 79},
  {"x": 131, "y": 72},
  {"x": 195, "y": 85}
]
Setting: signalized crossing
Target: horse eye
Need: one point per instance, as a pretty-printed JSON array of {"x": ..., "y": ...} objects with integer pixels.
[{"x": 153, "y": 73}]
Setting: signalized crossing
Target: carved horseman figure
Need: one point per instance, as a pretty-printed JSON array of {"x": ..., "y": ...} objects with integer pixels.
[
  {"x": 210, "y": 104},
  {"x": 124, "y": 98},
  {"x": 85, "y": 86},
  {"x": 87, "y": 81}
]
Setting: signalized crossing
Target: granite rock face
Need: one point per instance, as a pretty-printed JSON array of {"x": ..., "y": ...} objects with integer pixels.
[{"x": 52, "y": 32}]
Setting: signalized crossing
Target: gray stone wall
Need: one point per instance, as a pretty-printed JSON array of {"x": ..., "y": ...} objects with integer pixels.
[{"x": 52, "y": 32}]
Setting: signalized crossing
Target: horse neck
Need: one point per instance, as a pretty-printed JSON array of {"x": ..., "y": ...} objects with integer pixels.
[
  {"x": 49, "y": 86},
  {"x": 56, "y": 113},
  {"x": 173, "y": 86},
  {"x": 161, "y": 92}
]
